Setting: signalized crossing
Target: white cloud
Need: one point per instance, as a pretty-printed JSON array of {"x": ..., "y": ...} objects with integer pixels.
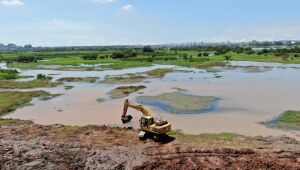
[
  {"x": 12, "y": 2},
  {"x": 127, "y": 7},
  {"x": 103, "y": 1}
]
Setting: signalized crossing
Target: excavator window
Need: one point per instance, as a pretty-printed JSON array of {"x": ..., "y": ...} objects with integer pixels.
[{"x": 144, "y": 122}]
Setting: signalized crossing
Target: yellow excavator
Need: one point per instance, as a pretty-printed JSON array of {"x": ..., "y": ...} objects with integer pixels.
[{"x": 148, "y": 126}]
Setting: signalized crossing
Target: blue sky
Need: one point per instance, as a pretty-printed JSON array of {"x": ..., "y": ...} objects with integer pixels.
[{"x": 112, "y": 22}]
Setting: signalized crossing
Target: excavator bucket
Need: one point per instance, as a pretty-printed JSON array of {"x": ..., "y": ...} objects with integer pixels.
[{"x": 126, "y": 119}]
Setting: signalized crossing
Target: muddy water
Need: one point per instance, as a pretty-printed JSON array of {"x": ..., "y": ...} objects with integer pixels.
[{"x": 246, "y": 98}]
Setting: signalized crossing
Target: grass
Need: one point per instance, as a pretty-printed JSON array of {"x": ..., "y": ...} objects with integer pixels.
[
  {"x": 8, "y": 74},
  {"x": 228, "y": 137},
  {"x": 123, "y": 79},
  {"x": 10, "y": 101},
  {"x": 78, "y": 79},
  {"x": 69, "y": 129},
  {"x": 68, "y": 87},
  {"x": 124, "y": 91},
  {"x": 289, "y": 119},
  {"x": 160, "y": 72},
  {"x": 168, "y": 57},
  {"x": 13, "y": 122},
  {"x": 9, "y": 84}
]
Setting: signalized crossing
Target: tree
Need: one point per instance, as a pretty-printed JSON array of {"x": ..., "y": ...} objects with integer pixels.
[
  {"x": 206, "y": 54},
  {"x": 43, "y": 77},
  {"x": 26, "y": 59},
  {"x": 117, "y": 55},
  {"x": 227, "y": 57},
  {"x": 90, "y": 57},
  {"x": 148, "y": 48}
]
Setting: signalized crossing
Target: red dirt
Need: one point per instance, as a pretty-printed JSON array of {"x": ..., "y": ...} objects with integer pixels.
[{"x": 100, "y": 147}]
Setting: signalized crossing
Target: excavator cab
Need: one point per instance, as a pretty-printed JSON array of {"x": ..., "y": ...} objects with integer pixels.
[{"x": 146, "y": 121}]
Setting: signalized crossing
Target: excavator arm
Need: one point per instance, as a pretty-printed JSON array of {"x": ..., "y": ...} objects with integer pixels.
[{"x": 127, "y": 118}]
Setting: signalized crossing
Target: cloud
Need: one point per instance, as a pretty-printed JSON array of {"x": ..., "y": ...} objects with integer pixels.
[
  {"x": 127, "y": 7},
  {"x": 103, "y": 1},
  {"x": 12, "y": 2}
]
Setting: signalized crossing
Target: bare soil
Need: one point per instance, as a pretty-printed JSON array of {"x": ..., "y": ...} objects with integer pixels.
[{"x": 32, "y": 146}]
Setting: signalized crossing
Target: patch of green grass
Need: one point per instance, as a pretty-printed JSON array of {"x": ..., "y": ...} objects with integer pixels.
[
  {"x": 204, "y": 137},
  {"x": 78, "y": 79},
  {"x": 69, "y": 129},
  {"x": 68, "y": 87},
  {"x": 124, "y": 91},
  {"x": 100, "y": 100},
  {"x": 123, "y": 79},
  {"x": 289, "y": 118},
  {"x": 160, "y": 72},
  {"x": 10, "y": 101},
  {"x": 9, "y": 84},
  {"x": 13, "y": 122},
  {"x": 8, "y": 74}
]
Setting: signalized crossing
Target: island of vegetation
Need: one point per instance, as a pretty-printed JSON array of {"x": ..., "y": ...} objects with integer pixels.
[{"x": 289, "y": 120}]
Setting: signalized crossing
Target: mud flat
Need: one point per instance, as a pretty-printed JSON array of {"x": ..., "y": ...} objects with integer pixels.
[
  {"x": 10, "y": 101},
  {"x": 126, "y": 79},
  {"x": 78, "y": 79},
  {"x": 124, "y": 91},
  {"x": 181, "y": 103}
]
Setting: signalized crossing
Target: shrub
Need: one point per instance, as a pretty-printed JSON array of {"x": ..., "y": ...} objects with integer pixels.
[
  {"x": 26, "y": 59},
  {"x": 90, "y": 57},
  {"x": 148, "y": 48},
  {"x": 43, "y": 77}
]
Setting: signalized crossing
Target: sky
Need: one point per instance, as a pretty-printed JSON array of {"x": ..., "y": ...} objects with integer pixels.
[{"x": 121, "y": 22}]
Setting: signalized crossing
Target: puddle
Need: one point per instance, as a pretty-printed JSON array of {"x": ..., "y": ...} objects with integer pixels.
[{"x": 181, "y": 103}]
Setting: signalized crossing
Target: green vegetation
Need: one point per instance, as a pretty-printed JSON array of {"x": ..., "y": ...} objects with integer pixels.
[
  {"x": 68, "y": 87},
  {"x": 78, "y": 79},
  {"x": 14, "y": 122},
  {"x": 9, "y": 84},
  {"x": 69, "y": 129},
  {"x": 100, "y": 100},
  {"x": 10, "y": 101},
  {"x": 123, "y": 79},
  {"x": 227, "y": 137},
  {"x": 124, "y": 91},
  {"x": 119, "y": 58},
  {"x": 8, "y": 74},
  {"x": 178, "y": 102},
  {"x": 287, "y": 120},
  {"x": 159, "y": 72}
]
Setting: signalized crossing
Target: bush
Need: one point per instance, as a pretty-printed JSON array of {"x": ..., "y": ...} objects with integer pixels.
[
  {"x": 26, "y": 59},
  {"x": 148, "y": 48},
  {"x": 117, "y": 55},
  {"x": 43, "y": 77},
  {"x": 227, "y": 57},
  {"x": 8, "y": 74},
  {"x": 205, "y": 54},
  {"x": 90, "y": 57}
]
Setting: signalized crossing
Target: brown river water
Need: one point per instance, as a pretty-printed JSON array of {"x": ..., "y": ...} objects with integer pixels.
[{"x": 246, "y": 98}]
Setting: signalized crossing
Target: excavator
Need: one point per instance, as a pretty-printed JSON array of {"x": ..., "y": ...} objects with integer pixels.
[{"x": 148, "y": 125}]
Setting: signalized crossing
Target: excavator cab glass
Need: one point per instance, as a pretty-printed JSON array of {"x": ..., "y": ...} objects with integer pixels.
[
  {"x": 144, "y": 122},
  {"x": 147, "y": 122}
]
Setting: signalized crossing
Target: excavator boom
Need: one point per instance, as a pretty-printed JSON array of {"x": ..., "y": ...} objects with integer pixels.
[{"x": 136, "y": 106}]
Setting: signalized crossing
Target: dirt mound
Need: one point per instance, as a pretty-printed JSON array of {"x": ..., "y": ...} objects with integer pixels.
[
  {"x": 220, "y": 159},
  {"x": 31, "y": 146},
  {"x": 52, "y": 155}
]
